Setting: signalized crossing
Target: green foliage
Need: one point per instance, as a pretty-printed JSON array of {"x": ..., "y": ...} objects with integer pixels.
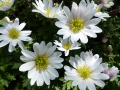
[{"x": 44, "y": 29}]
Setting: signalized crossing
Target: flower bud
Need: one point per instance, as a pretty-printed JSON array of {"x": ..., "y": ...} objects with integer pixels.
[
  {"x": 6, "y": 19},
  {"x": 104, "y": 39},
  {"x": 110, "y": 49}
]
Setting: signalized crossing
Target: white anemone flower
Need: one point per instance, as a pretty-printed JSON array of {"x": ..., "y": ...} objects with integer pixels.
[
  {"x": 66, "y": 45},
  {"x": 6, "y": 4},
  {"x": 12, "y": 33},
  {"x": 78, "y": 23},
  {"x": 107, "y": 3},
  {"x": 42, "y": 63},
  {"x": 46, "y": 8},
  {"x": 86, "y": 72}
]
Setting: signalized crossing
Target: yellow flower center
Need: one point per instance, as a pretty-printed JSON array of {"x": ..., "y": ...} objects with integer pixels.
[
  {"x": 67, "y": 46},
  {"x": 42, "y": 62},
  {"x": 98, "y": 10},
  {"x": 3, "y": 2},
  {"x": 84, "y": 72},
  {"x": 13, "y": 33},
  {"x": 47, "y": 11},
  {"x": 76, "y": 25}
]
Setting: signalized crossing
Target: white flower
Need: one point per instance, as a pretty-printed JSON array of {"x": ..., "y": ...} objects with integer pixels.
[
  {"x": 86, "y": 72},
  {"x": 111, "y": 72},
  {"x": 77, "y": 24},
  {"x": 66, "y": 45},
  {"x": 12, "y": 33},
  {"x": 107, "y": 3},
  {"x": 42, "y": 63},
  {"x": 46, "y": 8},
  {"x": 5, "y": 4}
]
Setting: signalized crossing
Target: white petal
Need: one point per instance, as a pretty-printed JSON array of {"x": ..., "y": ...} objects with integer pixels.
[
  {"x": 14, "y": 42},
  {"x": 57, "y": 65},
  {"x": 34, "y": 78},
  {"x": 99, "y": 76},
  {"x": 36, "y": 48},
  {"x": 24, "y": 38},
  {"x": 25, "y": 59},
  {"x": 27, "y": 66},
  {"x": 100, "y": 83},
  {"x": 83, "y": 38},
  {"x": 55, "y": 59},
  {"x": 61, "y": 25},
  {"x": 90, "y": 84},
  {"x": 21, "y": 26},
  {"x": 45, "y": 77},
  {"x": 82, "y": 85},
  {"x": 21, "y": 45},
  {"x": 42, "y": 48},
  {"x": 95, "y": 29},
  {"x": 11, "y": 47},
  {"x": 25, "y": 33},
  {"x": 40, "y": 80},
  {"x": 4, "y": 42},
  {"x": 94, "y": 21},
  {"x": 16, "y": 22},
  {"x": 32, "y": 72}
]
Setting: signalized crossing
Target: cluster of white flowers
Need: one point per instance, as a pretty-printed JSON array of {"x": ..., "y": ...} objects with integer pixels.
[{"x": 77, "y": 23}]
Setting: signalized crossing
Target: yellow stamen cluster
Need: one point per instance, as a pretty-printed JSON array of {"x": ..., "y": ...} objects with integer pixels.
[
  {"x": 42, "y": 62},
  {"x": 84, "y": 72},
  {"x": 13, "y": 33},
  {"x": 67, "y": 46},
  {"x": 47, "y": 11},
  {"x": 76, "y": 25},
  {"x": 3, "y": 2},
  {"x": 98, "y": 10}
]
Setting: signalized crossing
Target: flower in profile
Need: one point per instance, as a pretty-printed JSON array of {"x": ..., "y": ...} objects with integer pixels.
[
  {"x": 12, "y": 33},
  {"x": 66, "y": 45},
  {"x": 46, "y": 8},
  {"x": 78, "y": 23},
  {"x": 42, "y": 63},
  {"x": 107, "y": 3},
  {"x": 6, "y": 4},
  {"x": 87, "y": 71},
  {"x": 111, "y": 72}
]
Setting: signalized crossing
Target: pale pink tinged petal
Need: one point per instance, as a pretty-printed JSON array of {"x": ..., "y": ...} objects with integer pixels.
[
  {"x": 82, "y": 85},
  {"x": 36, "y": 48},
  {"x": 100, "y": 83},
  {"x": 90, "y": 84},
  {"x": 74, "y": 6},
  {"x": 83, "y": 38},
  {"x": 27, "y": 66},
  {"x": 55, "y": 59},
  {"x": 25, "y": 33},
  {"x": 4, "y": 42},
  {"x": 99, "y": 76},
  {"x": 40, "y": 80},
  {"x": 11, "y": 47},
  {"x": 45, "y": 77},
  {"x": 89, "y": 33},
  {"x": 95, "y": 29},
  {"x": 50, "y": 51},
  {"x": 31, "y": 72},
  {"x": 28, "y": 54},
  {"x": 25, "y": 38},
  {"x": 21, "y": 26},
  {"x": 75, "y": 13},
  {"x": 34, "y": 78},
  {"x": 52, "y": 71},
  {"x": 94, "y": 21},
  {"x": 21, "y": 45},
  {"x": 61, "y": 25},
  {"x": 68, "y": 13},
  {"x": 16, "y": 22}
]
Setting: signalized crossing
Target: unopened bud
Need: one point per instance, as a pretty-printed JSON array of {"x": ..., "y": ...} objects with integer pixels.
[
  {"x": 110, "y": 49},
  {"x": 104, "y": 39},
  {"x": 6, "y": 19}
]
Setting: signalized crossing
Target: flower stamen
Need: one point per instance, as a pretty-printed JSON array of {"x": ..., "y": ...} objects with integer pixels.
[
  {"x": 13, "y": 33},
  {"x": 67, "y": 46},
  {"x": 7, "y": 2}
]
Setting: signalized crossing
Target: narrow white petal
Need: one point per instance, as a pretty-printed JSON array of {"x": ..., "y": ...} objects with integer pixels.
[
  {"x": 16, "y": 22},
  {"x": 25, "y": 33},
  {"x": 11, "y": 47},
  {"x": 34, "y": 78},
  {"x": 21, "y": 45},
  {"x": 90, "y": 84},
  {"x": 24, "y": 38},
  {"x": 61, "y": 25},
  {"x": 55, "y": 59},
  {"x": 27, "y": 66},
  {"x": 4, "y": 42},
  {"x": 95, "y": 29},
  {"x": 99, "y": 76},
  {"x": 21, "y": 26},
  {"x": 83, "y": 38},
  {"x": 100, "y": 83},
  {"x": 40, "y": 80},
  {"x": 25, "y": 59},
  {"x": 32, "y": 72},
  {"x": 36, "y": 48}
]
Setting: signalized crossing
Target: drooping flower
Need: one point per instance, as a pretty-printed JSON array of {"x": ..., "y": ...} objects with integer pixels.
[
  {"x": 42, "y": 63},
  {"x": 111, "y": 72},
  {"x": 110, "y": 49},
  {"x": 104, "y": 39},
  {"x": 66, "y": 45},
  {"x": 46, "y": 8},
  {"x": 107, "y": 3},
  {"x": 78, "y": 23},
  {"x": 6, "y": 4},
  {"x": 12, "y": 33},
  {"x": 87, "y": 71}
]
